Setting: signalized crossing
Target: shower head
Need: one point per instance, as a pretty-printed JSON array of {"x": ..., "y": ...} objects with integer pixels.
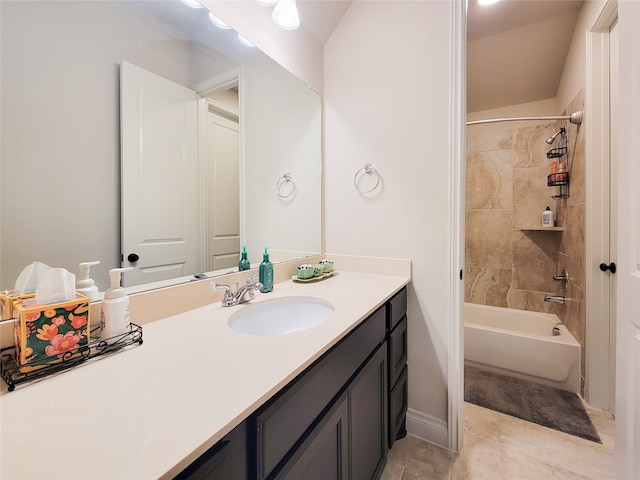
[{"x": 552, "y": 138}]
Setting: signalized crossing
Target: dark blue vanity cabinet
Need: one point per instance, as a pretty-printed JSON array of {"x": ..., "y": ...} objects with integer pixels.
[
  {"x": 397, "y": 353},
  {"x": 336, "y": 420},
  {"x": 226, "y": 460},
  {"x": 290, "y": 425}
]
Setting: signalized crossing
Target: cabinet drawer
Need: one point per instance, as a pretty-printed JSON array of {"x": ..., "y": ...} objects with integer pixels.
[
  {"x": 397, "y": 351},
  {"x": 293, "y": 411},
  {"x": 398, "y": 409},
  {"x": 397, "y": 308}
]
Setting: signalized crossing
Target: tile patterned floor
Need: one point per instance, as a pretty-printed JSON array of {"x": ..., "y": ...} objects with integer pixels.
[{"x": 501, "y": 447}]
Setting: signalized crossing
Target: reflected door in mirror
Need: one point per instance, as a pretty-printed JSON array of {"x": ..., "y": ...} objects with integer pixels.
[{"x": 159, "y": 172}]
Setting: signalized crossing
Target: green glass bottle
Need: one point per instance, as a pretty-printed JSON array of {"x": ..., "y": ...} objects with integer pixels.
[
  {"x": 244, "y": 264},
  {"x": 266, "y": 273}
]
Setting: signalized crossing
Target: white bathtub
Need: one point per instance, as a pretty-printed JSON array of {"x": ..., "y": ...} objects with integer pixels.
[{"x": 521, "y": 344}]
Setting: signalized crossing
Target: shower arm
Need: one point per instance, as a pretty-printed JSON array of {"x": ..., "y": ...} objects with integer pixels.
[{"x": 575, "y": 117}]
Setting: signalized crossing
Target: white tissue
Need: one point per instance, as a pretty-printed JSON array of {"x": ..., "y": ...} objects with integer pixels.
[
  {"x": 56, "y": 285},
  {"x": 29, "y": 278}
]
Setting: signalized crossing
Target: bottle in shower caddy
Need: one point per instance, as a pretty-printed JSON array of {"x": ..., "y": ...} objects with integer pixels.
[{"x": 547, "y": 218}]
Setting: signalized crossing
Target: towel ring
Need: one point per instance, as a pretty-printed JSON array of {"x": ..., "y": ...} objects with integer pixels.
[
  {"x": 368, "y": 170},
  {"x": 282, "y": 182}
]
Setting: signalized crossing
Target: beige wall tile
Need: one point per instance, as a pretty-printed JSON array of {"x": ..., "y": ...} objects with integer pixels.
[
  {"x": 530, "y": 196},
  {"x": 573, "y": 243},
  {"x": 530, "y": 147},
  {"x": 489, "y": 142},
  {"x": 532, "y": 301},
  {"x": 535, "y": 256},
  {"x": 490, "y": 180},
  {"x": 489, "y": 238},
  {"x": 487, "y": 286}
]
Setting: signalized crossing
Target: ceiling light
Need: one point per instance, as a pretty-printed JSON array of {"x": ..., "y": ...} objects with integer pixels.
[
  {"x": 217, "y": 22},
  {"x": 245, "y": 41},
  {"x": 286, "y": 15},
  {"x": 487, "y": 2},
  {"x": 266, "y": 3},
  {"x": 192, "y": 3}
]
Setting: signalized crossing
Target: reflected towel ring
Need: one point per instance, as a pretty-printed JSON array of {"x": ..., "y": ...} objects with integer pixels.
[
  {"x": 368, "y": 170},
  {"x": 280, "y": 184}
]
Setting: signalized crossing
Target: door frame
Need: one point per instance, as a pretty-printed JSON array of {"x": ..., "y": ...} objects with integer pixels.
[
  {"x": 217, "y": 84},
  {"x": 458, "y": 109},
  {"x": 599, "y": 376}
]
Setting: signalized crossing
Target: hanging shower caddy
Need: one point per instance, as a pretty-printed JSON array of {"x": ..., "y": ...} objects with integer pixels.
[{"x": 559, "y": 178}]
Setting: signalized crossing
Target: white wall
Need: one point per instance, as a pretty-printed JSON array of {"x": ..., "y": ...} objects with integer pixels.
[
  {"x": 388, "y": 102},
  {"x": 60, "y": 128},
  {"x": 276, "y": 222}
]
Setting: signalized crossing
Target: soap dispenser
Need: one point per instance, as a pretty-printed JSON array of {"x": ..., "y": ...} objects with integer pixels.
[
  {"x": 266, "y": 273},
  {"x": 86, "y": 285},
  {"x": 547, "y": 218},
  {"x": 114, "y": 318},
  {"x": 244, "y": 264}
]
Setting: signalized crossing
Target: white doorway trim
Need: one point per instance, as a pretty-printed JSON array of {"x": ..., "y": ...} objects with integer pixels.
[
  {"x": 599, "y": 374},
  {"x": 455, "y": 374}
]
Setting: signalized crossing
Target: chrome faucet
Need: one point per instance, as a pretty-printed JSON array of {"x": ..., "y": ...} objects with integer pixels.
[
  {"x": 243, "y": 293},
  {"x": 551, "y": 298}
]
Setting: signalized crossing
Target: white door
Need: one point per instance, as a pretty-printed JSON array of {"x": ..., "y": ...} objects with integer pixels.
[
  {"x": 159, "y": 177},
  {"x": 628, "y": 264},
  {"x": 223, "y": 196}
]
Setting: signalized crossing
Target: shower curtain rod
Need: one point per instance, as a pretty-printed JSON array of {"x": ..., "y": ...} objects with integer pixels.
[{"x": 575, "y": 117}]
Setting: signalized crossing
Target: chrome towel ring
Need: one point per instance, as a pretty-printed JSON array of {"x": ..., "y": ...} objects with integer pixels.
[
  {"x": 366, "y": 170},
  {"x": 281, "y": 186}
]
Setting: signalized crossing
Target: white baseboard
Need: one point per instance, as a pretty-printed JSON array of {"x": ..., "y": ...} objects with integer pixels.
[{"x": 427, "y": 428}]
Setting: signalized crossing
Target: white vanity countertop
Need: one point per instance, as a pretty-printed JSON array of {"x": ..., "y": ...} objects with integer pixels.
[{"x": 151, "y": 410}]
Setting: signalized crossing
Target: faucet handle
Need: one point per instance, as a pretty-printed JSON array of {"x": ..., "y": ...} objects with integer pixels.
[{"x": 227, "y": 289}]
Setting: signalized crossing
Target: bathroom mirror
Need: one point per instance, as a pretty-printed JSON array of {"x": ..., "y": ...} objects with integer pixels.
[{"x": 61, "y": 132}]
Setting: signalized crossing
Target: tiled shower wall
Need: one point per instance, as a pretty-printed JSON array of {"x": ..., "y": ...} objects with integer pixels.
[{"x": 508, "y": 262}]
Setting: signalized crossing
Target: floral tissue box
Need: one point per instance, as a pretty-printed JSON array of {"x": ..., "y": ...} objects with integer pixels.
[
  {"x": 6, "y": 304},
  {"x": 46, "y": 334}
]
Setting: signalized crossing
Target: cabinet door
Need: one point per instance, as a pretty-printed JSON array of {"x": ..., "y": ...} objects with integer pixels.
[
  {"x": 324, "y": 454},
  {"x": 282, "y": 423},
  {"x": 368, "y": 418},
  {"x": 397, "y": 351},
  {"x": 398, "y": 409}
]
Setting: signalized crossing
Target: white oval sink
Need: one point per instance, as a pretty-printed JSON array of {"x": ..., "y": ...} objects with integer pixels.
[{"x": 281, "y": 315}]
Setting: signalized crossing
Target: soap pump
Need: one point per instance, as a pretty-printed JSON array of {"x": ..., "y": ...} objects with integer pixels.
[
  {"x": 266, "y": 273},
  {"x": 86, "y": 285},
  {"x": 244, "y": 264},
  {"x": 114, "y": 318},
  {"x": 547, "y": 218}
]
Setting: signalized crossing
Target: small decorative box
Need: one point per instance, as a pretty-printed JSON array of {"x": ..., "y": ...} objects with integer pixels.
[
  {"x": 6, "y": 304},
  {"x": 46, "y": 334}
]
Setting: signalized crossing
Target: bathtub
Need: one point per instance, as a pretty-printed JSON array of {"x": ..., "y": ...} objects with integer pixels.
[{"x": 521, "y": 344}]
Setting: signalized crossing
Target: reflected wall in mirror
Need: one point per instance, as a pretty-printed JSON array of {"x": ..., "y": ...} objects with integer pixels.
[{"x": 61, "y": 132}]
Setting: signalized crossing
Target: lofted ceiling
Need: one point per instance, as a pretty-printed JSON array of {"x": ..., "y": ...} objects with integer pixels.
[
  {"x": 320, "y": 17},
  {"x": 516, "y": 50}
]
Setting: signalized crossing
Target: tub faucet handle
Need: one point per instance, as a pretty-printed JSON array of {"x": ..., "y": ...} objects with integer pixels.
[{"x": 563, "y": 277}]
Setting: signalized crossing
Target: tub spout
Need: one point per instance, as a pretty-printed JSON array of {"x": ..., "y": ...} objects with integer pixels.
[{"x": 551, "y": 298}]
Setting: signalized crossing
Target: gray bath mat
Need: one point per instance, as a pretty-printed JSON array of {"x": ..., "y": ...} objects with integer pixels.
[{"x": 546, "y": 406}]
